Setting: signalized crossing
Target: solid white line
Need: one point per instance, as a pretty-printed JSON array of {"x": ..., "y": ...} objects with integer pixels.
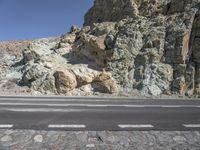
[
  {"x": 191, "y": 125},
  {"x": 135, "y": 126},
  {"x": 66, "y": 99},
  {"x": 66, "y": 126},
  {"x": 40, "y": 110},
  {"x": 98, "y": 105},
  {"x": 6, "y": 125}
]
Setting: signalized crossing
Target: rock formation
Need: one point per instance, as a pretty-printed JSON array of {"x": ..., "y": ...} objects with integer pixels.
[
  {"x": 151, "y": 45},
  {"x": 50, "y": 66},
  {"x": 148, "y": 46}
]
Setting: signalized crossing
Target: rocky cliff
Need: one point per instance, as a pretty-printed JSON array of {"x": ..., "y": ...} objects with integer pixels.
[{"x": 150, "y": 47}]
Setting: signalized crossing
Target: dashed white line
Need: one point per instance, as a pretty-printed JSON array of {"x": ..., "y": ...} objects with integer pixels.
[
  {"x": 6, "y": 125},
  {"x": 66, "y": 126},
  {"x": 134, "y": 106},
  {"x": 191, "y": 125},
  {"x": 96, "y": 105},
  {"x": 172, "y": 106},
  {"x": 135, "y": 126}
]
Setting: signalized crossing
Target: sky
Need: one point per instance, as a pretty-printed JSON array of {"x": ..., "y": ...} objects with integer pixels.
[{"x": 31, "y": 19}]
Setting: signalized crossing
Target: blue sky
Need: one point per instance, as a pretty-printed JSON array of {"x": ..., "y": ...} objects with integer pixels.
[{"x": 30, "y": 19}]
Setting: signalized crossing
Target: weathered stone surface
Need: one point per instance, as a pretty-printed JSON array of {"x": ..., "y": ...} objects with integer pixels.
[
  {"x": 84, "y": 75},
  {"x": 137, "y": 140},
  {"x": 92, "y": 48},
  {"x": 197, "y": 80},
  {"x": 101, "y": 81},
  {"x": 97, "y": 43},
  {"x": 179, "y": 85},
  {"x": 178, "y": 37},
  {"x": 149, "y": 47},
  {"x": 177, "y": 6},
  {"x": 109, "y": 10},
  {"x": 29, "y": 55},
  {"x": 106, "y": 82},
  {"x": 57, "y": 70},
  {"x": 157, "y": 79},
  {"x": 32, "y": 72},
  {"x": 116, "y": 10},
  {"x": 196, "y": 51},
  {"x": 38, "y": 138},
  {"x": 190, "y": 80},
  {"x": 65, "y": 81}
]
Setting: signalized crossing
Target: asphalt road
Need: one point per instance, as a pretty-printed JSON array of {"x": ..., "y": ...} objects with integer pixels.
[{"x": 98, "y": 114}]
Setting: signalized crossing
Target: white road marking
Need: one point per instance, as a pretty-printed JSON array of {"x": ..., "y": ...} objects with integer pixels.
[
  {"x": 163, "y": 106},
  {"x": 191, "y": 125},
  {"x": 134, "y": 106},
  {"x": 67, "y": 99},
  {"x": 40, "y": 110},
  {"x": 135, "y": 126},
  {"x": 172, "y": 106},
  {"x": 6, "y": 125},
  {"x": 97, "y": 105},
  {"x": 66, "y": 126}
]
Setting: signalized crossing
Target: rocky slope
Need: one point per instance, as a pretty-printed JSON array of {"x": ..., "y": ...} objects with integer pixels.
[
  {"x": 148, "y": 47},
  {"x": 11, "y": 53}
]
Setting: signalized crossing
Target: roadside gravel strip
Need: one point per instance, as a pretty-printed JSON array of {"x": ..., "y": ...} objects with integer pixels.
[{"x": 92, "y": 140}]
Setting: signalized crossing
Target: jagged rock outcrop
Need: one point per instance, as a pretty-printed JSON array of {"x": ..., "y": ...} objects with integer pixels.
[
  {"x": 116, "y": 10},
  {"x": 149, "y": 46},
  {"x": 153, "y": 45},
  {"x": 51, "y": 67}
]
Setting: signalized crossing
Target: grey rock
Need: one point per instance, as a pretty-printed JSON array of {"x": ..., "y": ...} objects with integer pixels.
[
  {"x": 109, "y": 10},
  {"x": 149, "y": 46},
  {"x": 38, "y": 138}
]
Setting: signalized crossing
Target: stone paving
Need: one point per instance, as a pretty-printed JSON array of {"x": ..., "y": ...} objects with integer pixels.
[{"x": 92, "y": 140}]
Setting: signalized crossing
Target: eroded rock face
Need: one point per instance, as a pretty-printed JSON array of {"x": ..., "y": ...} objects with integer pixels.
[
  {"x": 110, "y": 10},
  {"x": 50, "y": 66},
  {"x": 151, "y": 46},
  {"x": 150, "y": 34},
  {"x": 116, "y": 10}
]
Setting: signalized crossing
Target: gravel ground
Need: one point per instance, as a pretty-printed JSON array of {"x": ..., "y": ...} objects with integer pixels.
[{"x": 92, "y": 140}]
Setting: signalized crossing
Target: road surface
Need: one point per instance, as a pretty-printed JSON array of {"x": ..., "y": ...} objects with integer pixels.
[{"x": 98, "y": 114}]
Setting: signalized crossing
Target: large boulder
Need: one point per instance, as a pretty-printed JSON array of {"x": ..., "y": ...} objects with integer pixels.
[
  {"x": 101, "y": 81},
  {"x": 106, "y": 83},
  {"x": 84, "y": 75},
  {"x": 65, "y": 81},
  {"x": 38, "y": 78}
]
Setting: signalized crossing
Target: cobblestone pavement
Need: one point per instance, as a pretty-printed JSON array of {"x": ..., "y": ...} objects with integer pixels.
[{"x": 135, "y": 140}]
